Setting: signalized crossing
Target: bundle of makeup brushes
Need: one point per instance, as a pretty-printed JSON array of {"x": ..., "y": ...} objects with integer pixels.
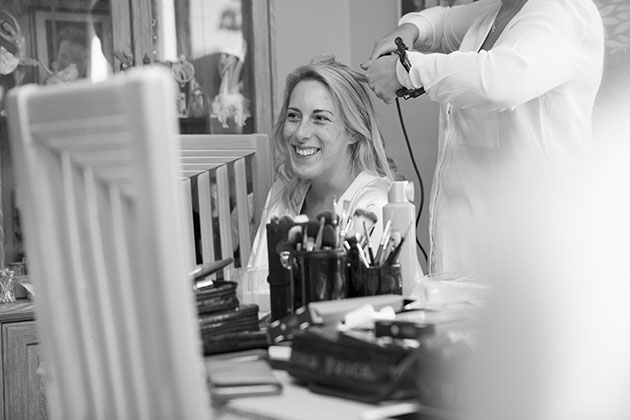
[
  {"x": 386, "y": 253},
  {"x": 332, "y": 231},
  {"x": 310, "y": 235}
]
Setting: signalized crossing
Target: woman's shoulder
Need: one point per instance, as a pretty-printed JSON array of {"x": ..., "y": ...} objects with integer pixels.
[
  {"x": 276, "y": 204},
  {"x": 368, "y": 190},
  {"x": 368, "y": 182}
]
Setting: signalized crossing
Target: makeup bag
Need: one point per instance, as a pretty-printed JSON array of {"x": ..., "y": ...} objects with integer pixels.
[{"x": 352, "y": 365}]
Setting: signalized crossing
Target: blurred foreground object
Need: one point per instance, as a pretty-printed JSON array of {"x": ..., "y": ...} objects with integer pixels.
[
  {"x": 555, "y": 340},
  {"x": 103, "y": 219}
]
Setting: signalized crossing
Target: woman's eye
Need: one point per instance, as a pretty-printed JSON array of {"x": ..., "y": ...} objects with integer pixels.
[
  {"x": 293, "y": 116},
  {"x": 322, "y": 118}
]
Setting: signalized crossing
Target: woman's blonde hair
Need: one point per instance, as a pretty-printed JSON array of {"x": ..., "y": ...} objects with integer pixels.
[{"x": 351, "y": 97}]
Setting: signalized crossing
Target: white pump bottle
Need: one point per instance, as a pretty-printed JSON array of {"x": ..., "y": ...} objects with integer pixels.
[{"x": 401, "y": 211}]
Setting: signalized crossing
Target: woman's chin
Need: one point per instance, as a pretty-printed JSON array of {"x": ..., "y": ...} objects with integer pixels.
[
  {"x": 304, "y": 167},
  {"x": 304, "y": 174},
  {"x": 305, "y": 171}
]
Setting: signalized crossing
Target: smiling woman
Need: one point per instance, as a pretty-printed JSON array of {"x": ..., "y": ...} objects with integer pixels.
[
  {"x": 319, "y": 145},
  {"x": 327, "y": 149}
]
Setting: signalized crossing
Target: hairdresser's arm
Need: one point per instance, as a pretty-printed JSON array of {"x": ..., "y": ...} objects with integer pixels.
[
  {"x": 441, "y": 29},
  {"x": 538, "y": 53},
  {"x": 434, "y": 29}
]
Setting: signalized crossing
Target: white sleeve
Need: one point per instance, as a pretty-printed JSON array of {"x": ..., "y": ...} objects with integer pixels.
[
  {"x": 441, "y": 29},
  {"x": 538, "y": 52}
]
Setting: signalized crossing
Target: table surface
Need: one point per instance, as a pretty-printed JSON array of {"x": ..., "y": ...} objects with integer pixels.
[{"x": 298, "y": 403}]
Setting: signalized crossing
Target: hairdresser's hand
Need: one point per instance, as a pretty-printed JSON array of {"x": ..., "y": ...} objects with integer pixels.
[
  {"x": 386, "y": 45},
  {"x": 382, "y": 79}
]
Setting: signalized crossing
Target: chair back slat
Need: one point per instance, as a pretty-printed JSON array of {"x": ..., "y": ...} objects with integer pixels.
[
  {"x": 204, "y": 192},
  {"x": 242, "y": 214},
  {"x": 126, "y": 291},
  {"x": 233, "y": 176},
  {"x": 223, "y": 210},
  {"x": 104, "y": 320},
  {"x": 263, "y": 162},
  {"x": 189, "y": 224}
]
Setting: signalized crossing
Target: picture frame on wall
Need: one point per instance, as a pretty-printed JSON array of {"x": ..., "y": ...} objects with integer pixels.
[
  {"x": 407, "y": 6},
  {"x": 51, "y": 29}
]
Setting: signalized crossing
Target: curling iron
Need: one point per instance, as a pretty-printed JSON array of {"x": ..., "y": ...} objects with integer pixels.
[{"x": 401, "y": 51}]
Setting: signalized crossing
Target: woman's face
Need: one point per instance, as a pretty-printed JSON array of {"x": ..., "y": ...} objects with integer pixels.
[
  {"x": 70, "y": 52},
  {"x": 316, "y": 135}
]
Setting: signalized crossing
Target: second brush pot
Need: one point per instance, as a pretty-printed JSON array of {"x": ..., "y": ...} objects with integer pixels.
[
  {"x": 380, "y": 280},
  {"x": 319, "y": 275}
]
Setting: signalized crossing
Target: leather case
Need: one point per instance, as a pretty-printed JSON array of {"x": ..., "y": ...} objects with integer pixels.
[
  {"x": 234, "y": 341},
  {"x": 244, "y": 318},
  {"x": 220, "y": 296}
]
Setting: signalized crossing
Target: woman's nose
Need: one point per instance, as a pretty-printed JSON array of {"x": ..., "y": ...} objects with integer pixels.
[{"x": 304, "y": 130}]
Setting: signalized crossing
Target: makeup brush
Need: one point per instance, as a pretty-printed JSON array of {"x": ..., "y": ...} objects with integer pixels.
[
  {"x": 329, "y": 237},
  {"x": 294, "y": 236},
  {"x": 386, "y": 232},
  {"x": 286, "y": 219},
  {"x": 365, "y": 215},
  {"x": 369, "y": 245},
  {"x": 327, "y": 215},
  {"x": 300, "y": 218},
  {"x": 283, "y": 245},
  {"x": 393, "y": 256},
  {"x": 312, "y": 228},
  {"x": 362, "y": 256},
  {"x": 343, "y": 225},
  {"x": 320, "y": 232},
  {"x": 394, "y": 240},
  {"x": 358, "y": 217}
]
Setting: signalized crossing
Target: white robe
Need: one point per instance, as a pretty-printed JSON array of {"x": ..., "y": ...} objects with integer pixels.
[{"x": 507, "y": 114}]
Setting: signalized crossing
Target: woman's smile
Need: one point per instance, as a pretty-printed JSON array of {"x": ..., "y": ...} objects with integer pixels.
[{"x": 306, "y": 151}]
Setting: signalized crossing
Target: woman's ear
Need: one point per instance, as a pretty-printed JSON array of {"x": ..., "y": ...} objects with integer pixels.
[{"x": 354, "y": 139}]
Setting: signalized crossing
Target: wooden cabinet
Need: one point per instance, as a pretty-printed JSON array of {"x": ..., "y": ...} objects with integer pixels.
[{"x": 22, "y": 395}]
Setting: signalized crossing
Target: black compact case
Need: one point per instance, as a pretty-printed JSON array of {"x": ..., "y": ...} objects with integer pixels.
[{"x": 279, "y": 278}]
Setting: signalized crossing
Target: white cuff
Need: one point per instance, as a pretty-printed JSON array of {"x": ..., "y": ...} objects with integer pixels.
[{"x": 403, "y": 76}]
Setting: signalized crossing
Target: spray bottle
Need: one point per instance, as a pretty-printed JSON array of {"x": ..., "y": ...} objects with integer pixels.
[{"x": 401, "y": 211}]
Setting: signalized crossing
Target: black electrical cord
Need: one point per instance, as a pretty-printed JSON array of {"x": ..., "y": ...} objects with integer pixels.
[{"x": 415, "y": 167}]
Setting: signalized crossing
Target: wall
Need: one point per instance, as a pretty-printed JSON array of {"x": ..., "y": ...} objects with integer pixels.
[
  {"x": 304, "y": 29},
  {"x": 348, "y": 29}
]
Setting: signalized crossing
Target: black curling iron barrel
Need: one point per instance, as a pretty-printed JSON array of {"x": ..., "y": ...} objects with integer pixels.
[{"x": 401, "y": 51}]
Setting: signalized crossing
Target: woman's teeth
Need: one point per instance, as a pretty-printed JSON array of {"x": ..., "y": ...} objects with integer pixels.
[{"x": 306, "y": 152}]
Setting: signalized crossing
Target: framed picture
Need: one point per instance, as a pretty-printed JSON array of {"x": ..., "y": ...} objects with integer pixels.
[
  {"x": 407, "y": 6},
  {"x": 65, "y": 37}
]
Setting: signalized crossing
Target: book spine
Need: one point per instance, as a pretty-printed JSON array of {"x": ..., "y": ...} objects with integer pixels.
[{"x": 328, "y": 368}]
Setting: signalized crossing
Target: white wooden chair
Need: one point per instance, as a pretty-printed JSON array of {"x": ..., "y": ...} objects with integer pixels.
[
  {"x": 218, "y": 170},
  {"x": 98, "y": 183}
]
